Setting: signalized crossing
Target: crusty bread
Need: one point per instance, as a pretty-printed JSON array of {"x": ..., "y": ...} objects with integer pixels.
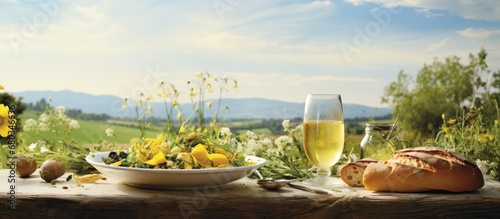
[
  {"x": 423, "y": 169},
  {"x": 352, "y": 173}
]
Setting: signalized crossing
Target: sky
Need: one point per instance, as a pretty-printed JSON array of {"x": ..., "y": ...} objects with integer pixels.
[{"x": 275, "y": 49}]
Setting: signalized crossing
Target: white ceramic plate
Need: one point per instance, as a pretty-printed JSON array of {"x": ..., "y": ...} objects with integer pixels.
[{"x": 173, "y": 179}]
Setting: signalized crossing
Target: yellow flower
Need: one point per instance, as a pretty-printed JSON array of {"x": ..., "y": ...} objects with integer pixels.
[
  {"x": 489, "y": 136},
  {"x": 182, "y": 129},
  {"x": 206, "y": 160},
  {"x": 179, "y": 116},
  {"x": 218, "y": 160},
  {"x": 192, "y": 93},
  {"x": 4, "y": 121},
  {"x": 452, "y": 121},
  {"x": 199, "y": 75},
  {"x": 176, "y": 149},
  {"x": 250, "y": 163},
  {"x": 118, "y": 163},
  {"x": 158, "y": 159},
  {"x": 485, "y": 138},
  {"x": 150, "y": 151},
  {"x": 125, "y": 105},
  {"x": 187, "y": 159},
  {"x": 163, "y": 94},
  {"x": 224, "y": 152},
  {"x": 445, "y": 129},
  {"x": 200, "y": 154},
  {"x": 209, "y": 87},
  {"x": 1, "y": 87}
]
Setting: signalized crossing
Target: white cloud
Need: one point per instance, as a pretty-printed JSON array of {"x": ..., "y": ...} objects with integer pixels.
[
  {"x": 435, "y": 46},
  {"x": 478, "y": 33},
  {"x": 95, "y": 13},
  {"x": 356, "y": 2},
  {"x": 476, "y": 10},
  {"x": 312, "y": 6},
  {"x": 265, "y": 79},
  {"x": 274, "y": 49},
  {"x": 428, "y": 12},
  {"x": 276, "y": 85}
]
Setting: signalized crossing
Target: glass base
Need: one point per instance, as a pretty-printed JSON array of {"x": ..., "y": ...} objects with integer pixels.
[{"x": 327, "y": 182}]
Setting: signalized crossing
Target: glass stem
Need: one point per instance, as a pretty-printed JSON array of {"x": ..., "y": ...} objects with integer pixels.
[{"x": 324, "y": 172}]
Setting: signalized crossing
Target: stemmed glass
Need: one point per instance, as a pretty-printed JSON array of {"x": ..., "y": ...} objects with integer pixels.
[{"x": 323, "y": 136}]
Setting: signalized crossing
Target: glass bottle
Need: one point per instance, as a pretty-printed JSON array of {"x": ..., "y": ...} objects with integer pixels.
[{"x": 380, "y": 141}]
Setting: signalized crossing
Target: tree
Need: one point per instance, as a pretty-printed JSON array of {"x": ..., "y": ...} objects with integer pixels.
[
  {"x": 442, "y": 87},
  {"x": 489, "y": 100},
  {"x": 40, "y": 105},
  {"x": 8, "y": 100}
]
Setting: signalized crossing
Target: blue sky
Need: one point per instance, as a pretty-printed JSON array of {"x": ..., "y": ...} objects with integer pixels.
[{"x": 275, "y": 49}]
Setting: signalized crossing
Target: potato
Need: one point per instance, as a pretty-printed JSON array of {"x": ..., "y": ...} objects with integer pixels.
[
  {"x": 52, "y": 169},
  {"x": 25, "y": 166}
]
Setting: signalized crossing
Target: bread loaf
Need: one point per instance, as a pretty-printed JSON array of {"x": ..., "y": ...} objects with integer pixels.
[
  {"x": 423, "y": 169},
  {"x": 352, "y": 173}
]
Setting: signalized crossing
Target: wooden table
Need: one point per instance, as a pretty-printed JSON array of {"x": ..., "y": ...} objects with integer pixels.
[{"x": 35, "y": 198}]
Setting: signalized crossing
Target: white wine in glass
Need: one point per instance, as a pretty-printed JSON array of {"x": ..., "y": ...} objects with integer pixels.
[{"x": 323, "y": 136}]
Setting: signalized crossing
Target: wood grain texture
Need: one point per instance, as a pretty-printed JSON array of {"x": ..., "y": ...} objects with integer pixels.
[{"x": 241, "y": 199}]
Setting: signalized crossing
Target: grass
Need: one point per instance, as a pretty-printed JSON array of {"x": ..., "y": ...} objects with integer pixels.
[{"x": 90, "y": 131}]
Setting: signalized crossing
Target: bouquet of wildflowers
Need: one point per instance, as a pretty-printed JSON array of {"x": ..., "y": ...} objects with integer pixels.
[
  {"x": 474, "y": 135},
  {"x": 285, "y": 155},
  {"x": 52, "y": 131}
]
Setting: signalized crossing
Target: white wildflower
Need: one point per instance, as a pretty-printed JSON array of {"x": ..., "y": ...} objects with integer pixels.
[
  {"x": 282, "y": 143},
  {"x": 73, "y": 124},
  {"x": 483, "y": 166},
  {"x": 32, "y": 146},
  {"x": 250, "y": 147},
  {"x": 297, "y": 131},
  {"x": 60, "y": 110},
  {"x": 110, "y": 132},
  {"x": 266, "y": 143},
  {"x": 225, "y": 132},
  {"x": 44, "y": 117},
  {"x": 250, "y": 135},
  {"x": 43, "y": 127},
  {"x": 43, "y": 149},
  {"x": 353, "y": 158},
  {"x": 234, "y": 144},
  {"x": 286, "y": 124},
  {"x": 29, "y": 125},
  {"x": 41, "y": 143}
]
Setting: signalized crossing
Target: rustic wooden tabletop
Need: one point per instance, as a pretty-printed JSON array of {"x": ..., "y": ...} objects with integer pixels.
[{"x": 34, "y": 198}]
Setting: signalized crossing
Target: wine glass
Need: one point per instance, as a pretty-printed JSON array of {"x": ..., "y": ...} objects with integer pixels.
[{"x": 323, "y": 136}]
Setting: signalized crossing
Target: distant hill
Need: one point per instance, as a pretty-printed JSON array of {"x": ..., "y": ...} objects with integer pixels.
[{"x": 251, "y": 108}]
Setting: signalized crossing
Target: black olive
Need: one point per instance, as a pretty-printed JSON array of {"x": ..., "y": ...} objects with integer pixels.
[
  {"x": 123, "y": 155},
  {"x": 113, "y": 155}
]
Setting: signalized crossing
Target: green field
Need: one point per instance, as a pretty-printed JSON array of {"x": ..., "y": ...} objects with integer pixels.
[{"x": 90, "y": 132}]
